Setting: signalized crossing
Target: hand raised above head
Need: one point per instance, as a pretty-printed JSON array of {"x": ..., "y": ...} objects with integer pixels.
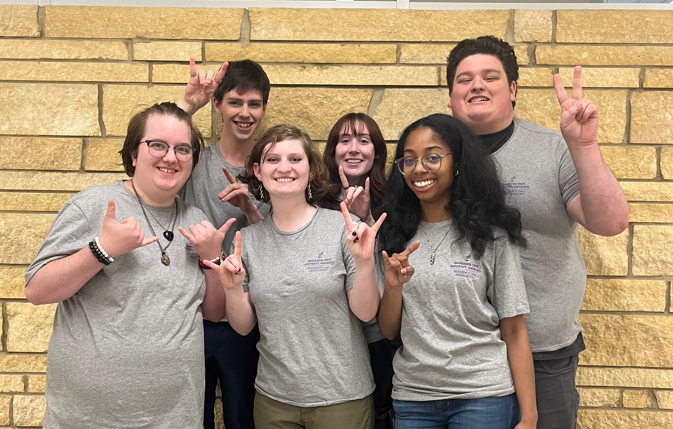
[
  {"x": 361, "y": 239},
  {"x": 579, "y": 117},
  {"x": 118, "y": 238},
  {"x": 397, "y": 268},
  {"x": 200, "y": 87}
]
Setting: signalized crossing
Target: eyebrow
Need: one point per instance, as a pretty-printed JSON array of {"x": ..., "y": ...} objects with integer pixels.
[
  {"x": 483, "y": 71},
  {"x": 356, "y": 135},
  {"x": 257, "y": 100},
  {"x": 426, "y": 149}
]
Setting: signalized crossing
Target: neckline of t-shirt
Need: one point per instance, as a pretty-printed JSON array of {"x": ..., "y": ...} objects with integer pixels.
[
  {"x": 515, "y": 121},
  {"x": 435, "y": 225},
  {"x": 297, "y": 231},
  {"x": 227, "y": 164},
  {"x": 155, "y": 209}
]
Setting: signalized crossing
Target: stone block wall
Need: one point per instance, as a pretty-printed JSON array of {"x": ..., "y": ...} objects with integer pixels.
[{"x": 71, "y": 77}]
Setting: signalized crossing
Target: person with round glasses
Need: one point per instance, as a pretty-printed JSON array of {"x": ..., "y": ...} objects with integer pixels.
[
  {"x": 124, "y": 262},
  {"x": 454, "y": 291}
]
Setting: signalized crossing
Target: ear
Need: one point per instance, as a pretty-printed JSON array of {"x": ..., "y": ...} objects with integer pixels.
[
  {"x": 263, "y": 109},
  {"x": 512, "y": 91},
  {"x": 217, "y": 105},
  {"x": 256, "y": 170},
  {"x": 134, "y": 157},
  {"x": 449, "y": 105}
]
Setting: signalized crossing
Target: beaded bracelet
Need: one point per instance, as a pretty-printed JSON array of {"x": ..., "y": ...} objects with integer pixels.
[
  {"x": 216, "y": 261},
  {"x": 99, "y": 253}
]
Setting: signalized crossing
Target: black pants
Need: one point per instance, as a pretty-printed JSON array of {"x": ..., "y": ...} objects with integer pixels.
[
  {"x": 381, "y": 355},
  {"x": 557, "y": 398},
  {"x": 233, "y": 359}
]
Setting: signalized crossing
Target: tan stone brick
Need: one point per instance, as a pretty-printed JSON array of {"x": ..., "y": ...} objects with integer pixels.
[
  {"x": 12, "y": 283},
  {"x": 625, "y": 295},
  {"x": 166, "y": 51},
  {"x": 521, "y": 53},
  {"x": 40, "y": 153},
  {"x": 103, "y": 155},
  {"x": 5, "y": 407},
  {"x": 177, "y": 73},
  {"x": 605, "y": 256},
  {"x": 649, "y": 256},
  {"x": 36, "y": 383},
  {"x": 532, "y": 25},
  {"x": 22, "y": 235},
  {"x": 648, "y": 191},
  {"x": 303, "y": 53},
  {"x": 651, "y": 114},
  {"x": 121, "y": 102},
  {"x": 603, "y": 77},
  {"x": 425, "y": 54},
  {"x": 615, "y": 340},
  {"x": 623, "y": 419},
  {"x": 48, "y": 181},
  {"x": 19, "y": 21},
  {"x": 596, "y": 55},
  {"x": 631, "y": 162},
  {"x": 625, "y": 377},
  {"x": 33, "y": 201},
  {"x": 23, "y": 363},
  {"x": 74, "y": 72},
  {"x": 145, "y": 22},
  {"x": 24, "y": 49},
  {"x": 613, "y": 26},
  {"x": 29, "y": 326},
  {"x": 529, "y": 76},
  {"x": 73, "y": 109},
  {"x": 390, "y": 24},
  {"x": 650, "y": 213},
  {"x": 314, "y": 110},
  {"x": 658, "y": 78},
  {"x": 598, "y": 397},
  {"x": 664, "y": 399},
  {"x": 29, "y": 410},
  {"x": 637, "y": 399},
  {"x": 401, "y": 107},
  {"x": 11, "y": 383},
  {"x": 541, "y": 106},
  {"x": 666, "y": 163}
]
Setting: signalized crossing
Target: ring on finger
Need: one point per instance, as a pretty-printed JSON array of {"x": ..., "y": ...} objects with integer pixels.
[{"x": 192, "y": 74}]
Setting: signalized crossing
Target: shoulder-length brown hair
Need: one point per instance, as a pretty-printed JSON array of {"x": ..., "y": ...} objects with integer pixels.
[
  {"x": 377, "y": 175},
  {"x": 318, "y": 176}
]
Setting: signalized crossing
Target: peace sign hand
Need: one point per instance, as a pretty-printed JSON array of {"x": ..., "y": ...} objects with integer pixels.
[
  {"x": 231, "y": 270},
  {"x": 357, "y": 199},
  {"x": 118, "y": 238},
  {"x": 397, "y": 268},
  {"x": 206, "y": 239},
  {"x": 200, "y": 87},
  {"x": 579, "y": 117},
  {"x": 361, "y": 238}
]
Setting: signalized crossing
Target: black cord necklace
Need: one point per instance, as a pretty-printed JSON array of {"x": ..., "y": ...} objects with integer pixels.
[{"x": 168, "y": 234}]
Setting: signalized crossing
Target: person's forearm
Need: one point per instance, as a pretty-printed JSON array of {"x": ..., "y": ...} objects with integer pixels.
[
  {"x": 240, "y": 313},
  {"x": 603, "y": 204},
  {"x": 390, "y": 312},
  {"x": 60, "y": 279},
  {"x": 363, "y": 299},
  {"x": 253, "y": 215},
  {"x": 515, "y": 335},
  {"x": 214, "y": 302}
]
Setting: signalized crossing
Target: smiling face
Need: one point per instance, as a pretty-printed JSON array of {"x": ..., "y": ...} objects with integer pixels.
[
  {"x": 284, "y": 170},
  {"x": 158, "y": 179},
  {"x": 355, "y": 152},
  {"x": 481, "y": 97},
  {"x": 431, "y": 188},
  {"x": 241, "y": 114}
]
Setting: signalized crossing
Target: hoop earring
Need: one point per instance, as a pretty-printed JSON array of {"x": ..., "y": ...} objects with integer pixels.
[
  {"x": 456, "y": 173},
  {"x": 261, "y": 192},
  {"x": 310, "y": 195}
]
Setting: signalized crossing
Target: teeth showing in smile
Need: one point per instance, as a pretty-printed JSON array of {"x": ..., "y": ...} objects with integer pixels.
[
  {"x": 354, "y": 161},
  {"x": 479, "y": 99},
  {"x": 244, "y": 124},
  {"x": 165, "y": 170},
  {"x": 285, "y": 179},
  {"x": 424, "y": 184}
]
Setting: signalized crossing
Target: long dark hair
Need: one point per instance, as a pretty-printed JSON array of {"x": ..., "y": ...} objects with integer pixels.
[
  {"x": 477, "y": 201},
  {"x": 377, "y": 175}
]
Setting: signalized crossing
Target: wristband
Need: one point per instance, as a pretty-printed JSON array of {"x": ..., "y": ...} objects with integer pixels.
[
  {"x": 216, "y": 261},
  {"x": 99, "y": 252}
]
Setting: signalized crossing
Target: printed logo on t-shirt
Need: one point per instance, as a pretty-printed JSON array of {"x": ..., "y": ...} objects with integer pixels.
[
  {"x": 514, "y": 187},
  {"x": 319, "y": 264},
  {"x": 466, "y": 268}
]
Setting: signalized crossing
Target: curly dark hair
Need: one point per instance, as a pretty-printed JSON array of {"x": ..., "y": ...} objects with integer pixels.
[
  {"x": 489, "y": 45},
  {"x": 318, "y": 176},
  {"x": 477, "y": 200},
  {"x": 377, "y": 175}
]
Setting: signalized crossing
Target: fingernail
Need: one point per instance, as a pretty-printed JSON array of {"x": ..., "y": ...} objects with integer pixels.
[{"x": 354, "y": 233}]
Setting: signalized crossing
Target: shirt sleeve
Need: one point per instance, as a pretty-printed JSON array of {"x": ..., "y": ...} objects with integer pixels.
[
  {"x": 507, "y": 292},
  {"x": 567, "y": 175}
]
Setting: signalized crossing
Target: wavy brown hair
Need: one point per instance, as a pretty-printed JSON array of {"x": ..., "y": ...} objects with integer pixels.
[
  {"x": 318, "y": 176},
  {"x": 377, "y": 175}
]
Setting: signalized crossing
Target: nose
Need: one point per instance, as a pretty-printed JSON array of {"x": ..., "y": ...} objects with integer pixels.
[
  {"x": 284, "y": 165},
  {"x": 477, "y": 83},
  {"x": 245, "y": 112},
  {"x": 420, "y": 165},
  {"x": 170, "y": 155},
  {"x": 353, "y": 146}
]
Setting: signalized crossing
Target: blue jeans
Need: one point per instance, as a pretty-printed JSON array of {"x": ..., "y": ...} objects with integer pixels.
[{"x": 483, "y": 413}]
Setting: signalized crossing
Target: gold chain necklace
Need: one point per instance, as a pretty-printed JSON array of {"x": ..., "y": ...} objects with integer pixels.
[{"x": 432, "y": 256}]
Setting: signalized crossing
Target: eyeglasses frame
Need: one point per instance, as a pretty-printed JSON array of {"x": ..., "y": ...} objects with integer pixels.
[
  {"x": 147, "y": 142},
  {"x": 441, "y": 158}
]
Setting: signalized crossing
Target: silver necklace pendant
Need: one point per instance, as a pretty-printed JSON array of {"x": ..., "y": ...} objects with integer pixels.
[
  {"x": 165, "y": 259},
  {"x": 432, "y": 259}
]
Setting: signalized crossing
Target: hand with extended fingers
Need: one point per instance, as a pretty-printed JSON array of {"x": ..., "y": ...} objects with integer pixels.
[
  {"x": 206, "y": 239},
  {"x": 201, "y": 87},
  {"x": 579, "y": 117},
  {"x": 118, "y": 238},
  {"x": 236, "y": 194},
  {"x": 361, "y": 238},
  {"x": 231, "y": 270},
  {"x": 357, "y": 198},
  {"x": 397, "y": 268}
]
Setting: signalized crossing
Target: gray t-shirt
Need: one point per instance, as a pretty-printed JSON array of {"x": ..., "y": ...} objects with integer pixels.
[
  {"x": 539, "y": 179},
  {"x": 312, "y": 350},
  {"x": 127, "y": 349},
  {"x": 451, "y": 310}
]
